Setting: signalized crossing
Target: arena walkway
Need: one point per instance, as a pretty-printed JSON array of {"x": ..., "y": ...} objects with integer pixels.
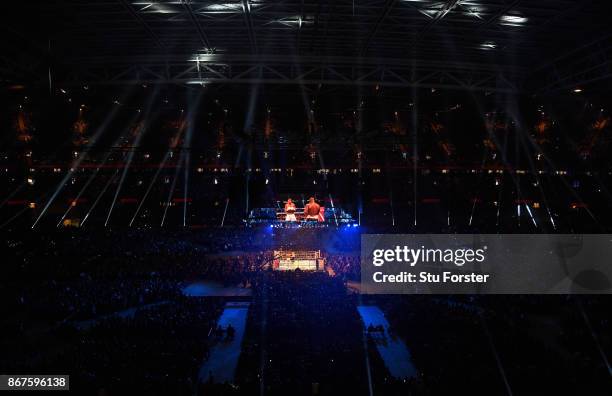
[
  {"x": 223, "y": 359},
  {"x": 392, "y": 349}
]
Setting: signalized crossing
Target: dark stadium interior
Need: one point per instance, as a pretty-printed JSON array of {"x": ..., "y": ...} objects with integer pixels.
[{"x": 148, "y": 149}]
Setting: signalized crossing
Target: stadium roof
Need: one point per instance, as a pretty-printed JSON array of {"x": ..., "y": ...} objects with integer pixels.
[{"x": 489, "y": 45}]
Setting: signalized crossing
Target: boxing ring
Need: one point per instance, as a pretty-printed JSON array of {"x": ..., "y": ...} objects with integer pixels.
[{"x": 328, "y": 217}]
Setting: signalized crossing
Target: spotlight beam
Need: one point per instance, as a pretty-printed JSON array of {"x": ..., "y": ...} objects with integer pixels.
[
  {"x": 141, "y": 130},
  {"x": 174, "y": 180},
  {"x": 187, "y": 151},
  {"x": 482, "y": 165},
  {"x": 246, "y": 195},
  {"x": 187, "y": 147},
  {"x": 600, "y": 349},
  {"x": 126, "y": 167},
  {"x": 45, "y": 195},
  {"x": 12, "y": 194},
  {"x": 13, "y": 217},
  {"x": 360, "y": 188},
  {"x": 224, "y": 211},
  {"x": 498, "y": 361},
  {"x": 331, "y": 200},
  {"x": 540, "y": 189},
  {"x": 172, "y": 187},
  {"x": 531, "y": 215},
  {"x": 91, "y": 177},
  {"x": 70, "y": 206},
  {"x": 502, "y": 149},
  {"x": 98, "y": 198},
  {"x": 146, "y": 194},
  {"x": 159, "y": 169},
  {"x": 77, "y": 162},
  {"x": 533, "y": 144},
  {"x": 186, "y": 188}
]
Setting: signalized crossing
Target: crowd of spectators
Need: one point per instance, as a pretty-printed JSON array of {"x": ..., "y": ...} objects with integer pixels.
[
  {"x": 345, "y": 266},
  {"x": 107, "y": 307},
  {"x": 155, "y": 350},
  {"x": 80, "y": 275},
  {"x": 500, "y": 344},
  {"x": 304, "y": 337}
]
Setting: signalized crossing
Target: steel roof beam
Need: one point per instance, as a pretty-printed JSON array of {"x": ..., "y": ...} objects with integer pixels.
[
  {"x": 201, "y": 34},
  {"x": 248, "y": 20},
  {"x": 142, "y": 23},
  {"x": 379, "y": 21}
]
